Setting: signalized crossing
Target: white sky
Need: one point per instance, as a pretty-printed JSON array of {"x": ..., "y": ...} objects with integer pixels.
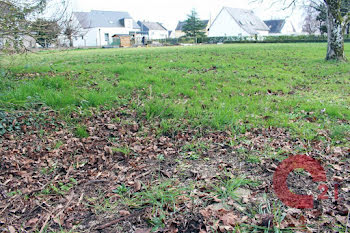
[{"x": 169, "y": 12}]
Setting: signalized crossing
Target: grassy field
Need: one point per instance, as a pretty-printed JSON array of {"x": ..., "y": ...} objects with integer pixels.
[
  {"x": 170, "y": 138},
  {"x": 221, "y": 87}
]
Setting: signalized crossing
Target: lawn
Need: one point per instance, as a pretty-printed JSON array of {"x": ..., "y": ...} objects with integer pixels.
[
  {"x": 221, "y": 87},
  {"x": 174, "y": 109}
]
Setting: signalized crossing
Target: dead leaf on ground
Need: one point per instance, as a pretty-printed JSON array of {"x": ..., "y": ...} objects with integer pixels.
[{"x": 144, "y": 230}]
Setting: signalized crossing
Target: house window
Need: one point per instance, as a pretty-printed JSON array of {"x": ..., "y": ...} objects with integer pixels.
[
  {"x": 107, "y": 37},
  {"x": 82, "y": 37}
]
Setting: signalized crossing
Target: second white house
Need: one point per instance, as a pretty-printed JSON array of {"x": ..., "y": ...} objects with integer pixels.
[{"x": 237, "y": 22}]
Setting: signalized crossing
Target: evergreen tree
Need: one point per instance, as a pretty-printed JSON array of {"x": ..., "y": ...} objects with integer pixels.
[
  {"x": 194, "y": 27},
  {"x": 45, "y": 32}
]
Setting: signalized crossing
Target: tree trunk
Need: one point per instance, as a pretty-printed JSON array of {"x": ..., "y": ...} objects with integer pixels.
[
  {"x": 335, "y": 49},
  {"x": 70, "y": 38}
]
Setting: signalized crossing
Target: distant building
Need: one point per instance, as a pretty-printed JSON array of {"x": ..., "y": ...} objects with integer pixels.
[
  {"x": 237, "y": 22},
  {"x": 153, "y": 30},
  {"x": 179, "y": 29},
  {"x": 280, "y": 27},
  {"x": 98, "y": 27}
]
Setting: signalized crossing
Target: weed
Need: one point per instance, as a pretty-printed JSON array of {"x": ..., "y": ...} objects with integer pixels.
[
  {"x": 163, "y": 197},
  {"x": 192, "y": 156},
  {"x": 124, "y": 150},
  {"x": 81, "y": 132},
  {"x": 58, "y": 145},
  {"x": 14, "y": 193},
  {"x": 274, "y": 209},
  {"x": 227, "y": 186},
  {"x": 253, "y": 159},
  {"x": 121, "y": 190},
  {"x": 160, "y": 157},
  {"x": 59, "y": 188},
  {"x": 49, "y": 170}
]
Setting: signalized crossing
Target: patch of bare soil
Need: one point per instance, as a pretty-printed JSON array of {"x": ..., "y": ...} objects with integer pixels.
[{"x": 50, "y": 180}]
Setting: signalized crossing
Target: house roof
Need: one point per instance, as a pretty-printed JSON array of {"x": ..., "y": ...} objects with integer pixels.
[
  {"x": 276, "y": 25},
  {"x": 181, "y": 24},
  {"x": 95, "y": 19},
  {"x": 151, "y": 26},
  {"x": 247, "y": 20}
]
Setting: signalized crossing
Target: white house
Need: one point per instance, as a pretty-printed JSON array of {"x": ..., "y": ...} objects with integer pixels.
[
  {"x": 280, "y": 27},
  {"x": 98, "y": 27},
  {"x": 153, "y": 30},
  {"x": 237, "y": 22}
]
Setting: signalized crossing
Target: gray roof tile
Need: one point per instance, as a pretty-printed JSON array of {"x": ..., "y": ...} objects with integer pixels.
[
  {"x": 95, "y": 19},
  {"x": 151, "y": 26},
  {"x": 275, "y": 26},
  {"x": 181, "y": 24},
  {"x": 247, "y": 20}
]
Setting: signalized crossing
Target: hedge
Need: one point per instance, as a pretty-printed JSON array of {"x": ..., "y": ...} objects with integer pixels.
[{"x": 260, "y": 39}]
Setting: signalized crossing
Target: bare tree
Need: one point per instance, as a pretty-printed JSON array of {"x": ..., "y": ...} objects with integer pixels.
[
  {"x": 337, "y": 23},
  {"x": 311, "y": 24},
  {"x": 72, "y": 27}
]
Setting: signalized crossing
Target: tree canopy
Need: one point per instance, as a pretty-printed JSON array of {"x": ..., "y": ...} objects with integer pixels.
[
  {"x": 45, "y": 32},
  {"x": 321, "y": 10},
  {"x": 15, "y": 20},
  {"x": 194, "y": 26},
  {"x": 338, "y": 18},
  {"x": 43, "y": 20}
]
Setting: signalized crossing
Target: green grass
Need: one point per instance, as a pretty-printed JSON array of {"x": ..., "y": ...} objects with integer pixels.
[
  {"x": 124, "y": 150},
  {"x": 162, "y": 198},
  {"x": 227, "y": 186},
  {"x": 81, "y": 132},
  {"x": 234, "y": 87}
]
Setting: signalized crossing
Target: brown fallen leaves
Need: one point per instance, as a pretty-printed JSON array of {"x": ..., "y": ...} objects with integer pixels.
[
  {"x": 218, "y": 218},
  {"x": 56, "y": 180}
]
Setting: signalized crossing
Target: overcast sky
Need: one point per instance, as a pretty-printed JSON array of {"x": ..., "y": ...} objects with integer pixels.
[{"x": 169, "y": 12}]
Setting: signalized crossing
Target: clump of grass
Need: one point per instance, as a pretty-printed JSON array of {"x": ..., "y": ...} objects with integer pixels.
[
  {"x": 163, "y": 197},
  {"x": 340, "y": 133},
  {"x": 59, "y": 188},
  {"x": 81, "y": 132},
  {"x": 121, "y": 190},
  {"x": 253, "y": 159},
  {"x": 58, "y": 144},
  {"x": 124, "y": 150},
  {"x": 228, "y": 185}
]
